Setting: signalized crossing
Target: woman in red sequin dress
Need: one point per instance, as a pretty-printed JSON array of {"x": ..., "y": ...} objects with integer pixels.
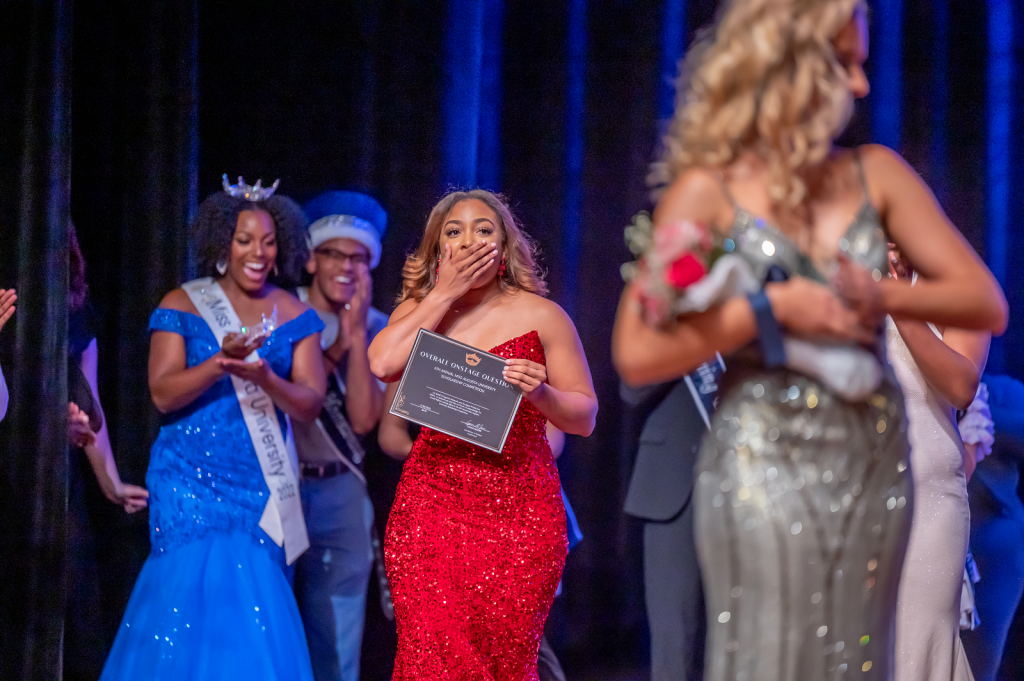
[{"x": 476, "y": 541}]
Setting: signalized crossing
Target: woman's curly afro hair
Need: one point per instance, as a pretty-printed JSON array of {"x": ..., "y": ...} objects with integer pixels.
[{"x": 214, "y": 228}]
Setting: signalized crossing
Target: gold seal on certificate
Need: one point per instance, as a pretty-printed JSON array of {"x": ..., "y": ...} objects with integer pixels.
[{"x": 457, "y": 389}]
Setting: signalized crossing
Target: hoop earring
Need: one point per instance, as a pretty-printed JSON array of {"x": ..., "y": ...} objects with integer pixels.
[{"x": 222, "y": 268}]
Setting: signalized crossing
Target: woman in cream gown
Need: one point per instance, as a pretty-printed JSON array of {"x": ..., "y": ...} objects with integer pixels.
[{"x": 939, "y": 373}]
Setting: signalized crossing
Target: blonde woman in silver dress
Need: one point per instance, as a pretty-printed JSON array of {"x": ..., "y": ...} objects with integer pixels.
[
  {"x": 939, "y": 371},
  {"x": 803, "y": 498}
]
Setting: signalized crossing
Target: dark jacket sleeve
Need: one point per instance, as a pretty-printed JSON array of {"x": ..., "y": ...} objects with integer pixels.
[
  {"x": 645, "y": 398},
  {"x": 662, "y": 478}
]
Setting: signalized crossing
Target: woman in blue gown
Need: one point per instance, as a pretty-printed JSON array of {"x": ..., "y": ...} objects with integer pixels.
[{"x": 213, "y": 600}]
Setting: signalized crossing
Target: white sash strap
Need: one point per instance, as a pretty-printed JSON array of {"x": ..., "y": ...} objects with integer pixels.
[{"x": 282, "y": 518}]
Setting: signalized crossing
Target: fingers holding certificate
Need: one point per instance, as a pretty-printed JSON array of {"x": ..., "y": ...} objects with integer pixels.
[{"x": 526, "y": 375}]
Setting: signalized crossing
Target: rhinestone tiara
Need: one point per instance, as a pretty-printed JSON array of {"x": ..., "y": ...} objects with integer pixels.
[{"x": 255, "y": 192}]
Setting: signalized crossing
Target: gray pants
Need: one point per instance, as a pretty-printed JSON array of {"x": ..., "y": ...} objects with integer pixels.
[
  {"x": 548, "y": 666},
  {"x": 331, "y": 577},
  {"x": 675, "y": 598}
]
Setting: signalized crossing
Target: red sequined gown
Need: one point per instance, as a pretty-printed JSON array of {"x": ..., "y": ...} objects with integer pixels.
[{"x": 475, "y": 546}]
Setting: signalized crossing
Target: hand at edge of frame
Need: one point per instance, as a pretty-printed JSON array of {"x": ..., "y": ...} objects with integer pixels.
[{"x": 7, "y": 299}]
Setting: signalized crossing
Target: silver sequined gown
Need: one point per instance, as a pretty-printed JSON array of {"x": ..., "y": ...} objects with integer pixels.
[{"x": 803, "y": 505}]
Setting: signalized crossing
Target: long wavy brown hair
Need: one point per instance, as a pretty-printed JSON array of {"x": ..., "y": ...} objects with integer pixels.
[
  {"x": 520, "y": 251},
  {"x": 765, "y": 79}
]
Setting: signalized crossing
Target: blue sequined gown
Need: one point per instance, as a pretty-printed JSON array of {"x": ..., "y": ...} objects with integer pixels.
[{"x": 212, "y": 601}]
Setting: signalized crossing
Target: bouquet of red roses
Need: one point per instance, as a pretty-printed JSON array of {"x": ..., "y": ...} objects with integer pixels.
[
  {"x": 684, "y": 268},
  {"x": 670, "y": 260}
]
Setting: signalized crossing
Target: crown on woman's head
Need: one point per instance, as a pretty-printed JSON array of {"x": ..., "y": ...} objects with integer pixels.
[{"x": 255, "y": 192}]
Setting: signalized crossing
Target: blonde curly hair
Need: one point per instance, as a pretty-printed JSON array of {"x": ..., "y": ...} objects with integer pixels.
[
  {"x": 520, "y": 251},
  {"x": 765, "y": 78}
]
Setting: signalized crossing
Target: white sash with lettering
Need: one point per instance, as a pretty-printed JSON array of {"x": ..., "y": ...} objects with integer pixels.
[{"x": 282, "y": 518}]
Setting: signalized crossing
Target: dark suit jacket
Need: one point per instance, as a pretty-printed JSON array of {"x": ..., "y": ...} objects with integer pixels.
[{"x": 662, "y": 479}]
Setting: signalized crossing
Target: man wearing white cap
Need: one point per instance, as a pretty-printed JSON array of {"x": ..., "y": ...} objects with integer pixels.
[{"x": 331, "y": 577}]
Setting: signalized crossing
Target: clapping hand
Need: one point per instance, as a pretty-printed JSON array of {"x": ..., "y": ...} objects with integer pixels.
[
  {"x": 7, "y": 300},
  {"x": 79, "y": 432},
  {"x": 358, "y": 307},
  {"x": 353, "y": 317}
]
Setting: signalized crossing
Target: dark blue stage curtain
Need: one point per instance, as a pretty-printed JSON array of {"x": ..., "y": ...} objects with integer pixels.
[{"x": 35, "y": 164}]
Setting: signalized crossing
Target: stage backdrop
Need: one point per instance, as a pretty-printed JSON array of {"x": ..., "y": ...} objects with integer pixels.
[
  {"x": 556, "y": 104},
  {"x": 35, "y": 162}
]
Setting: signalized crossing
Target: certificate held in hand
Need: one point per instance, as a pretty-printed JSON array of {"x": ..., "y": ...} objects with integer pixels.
[{"x": 457, "y": 389}]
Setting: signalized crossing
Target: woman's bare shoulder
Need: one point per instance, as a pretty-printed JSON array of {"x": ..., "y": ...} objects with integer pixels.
[
  {"x": 288, "y": 305},
  {"x": 178, "y": 300},
  {"x": 892, "y": 181},
  {"x": 696, "y": 195},
  {"x": 882, "y": 165},
  {"x": 541, "y": 313}
]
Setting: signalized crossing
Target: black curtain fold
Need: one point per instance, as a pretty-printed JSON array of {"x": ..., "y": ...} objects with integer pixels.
[
  {"x": 35, "y": 164},
  {"x": 133, "y": 193},
  {"x": 133, "y": 189}
]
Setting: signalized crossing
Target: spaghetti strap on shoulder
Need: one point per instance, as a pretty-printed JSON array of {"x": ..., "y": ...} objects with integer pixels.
[
  {"x": 859, "y": 165},
  {"x": 720, "y": 179}
]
